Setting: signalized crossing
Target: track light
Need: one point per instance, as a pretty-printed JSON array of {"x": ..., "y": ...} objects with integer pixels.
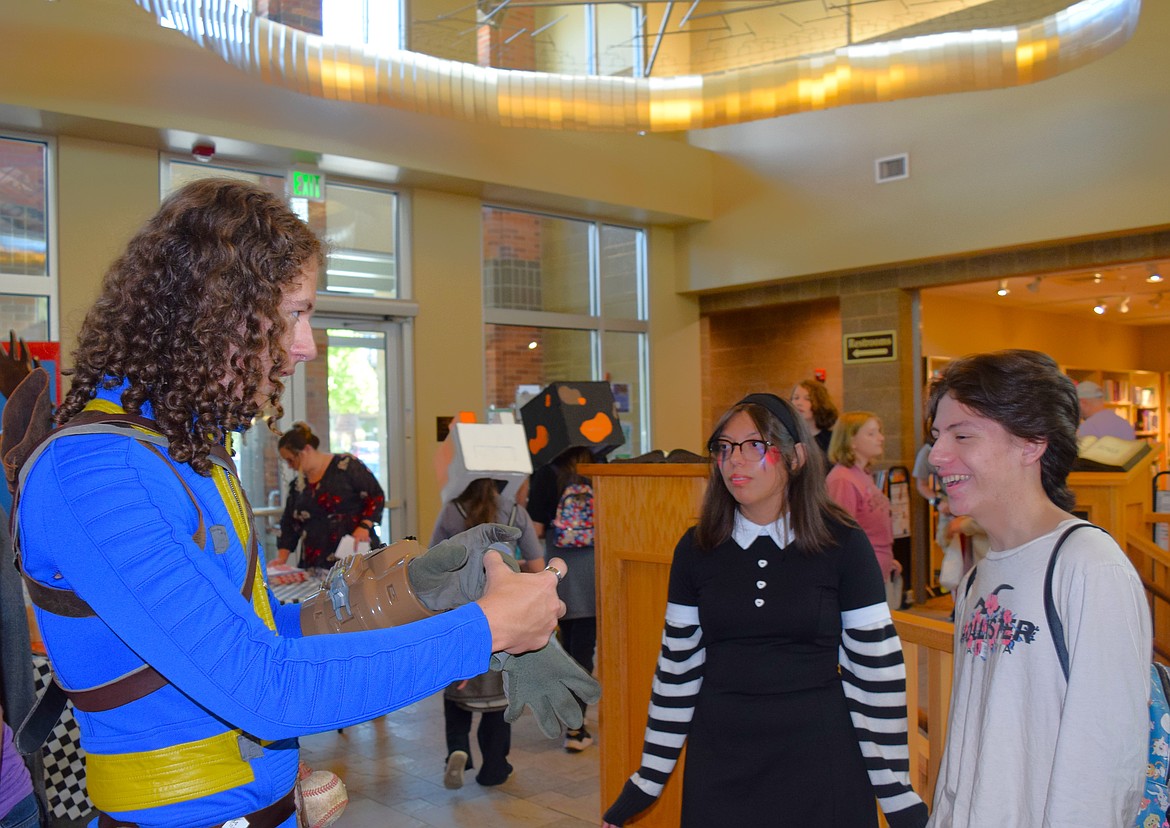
[
  {"x": 1124, "y": 306},
  {"x": 1004, "y": 290},
  {"x": 1100, "y": 307},
  {"x": 1034, "y": 285},
  {"x": 1156, "y": 302},
  {"x": 1097, "y": 278}
]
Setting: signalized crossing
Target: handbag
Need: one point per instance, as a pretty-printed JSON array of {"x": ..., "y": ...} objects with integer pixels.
[{"x": 482, "y": 694}]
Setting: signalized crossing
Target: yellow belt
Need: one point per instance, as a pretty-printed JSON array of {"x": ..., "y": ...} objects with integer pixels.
[{"x": 149, "y": 779}]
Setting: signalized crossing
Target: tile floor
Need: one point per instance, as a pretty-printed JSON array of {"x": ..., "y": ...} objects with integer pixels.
[{"x": 393, "y": 769}]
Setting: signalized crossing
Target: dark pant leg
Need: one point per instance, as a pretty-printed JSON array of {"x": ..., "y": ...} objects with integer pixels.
[
  {"x": 458, "y": 723},
  {"x": 495, "y": 740},
  {"x": 579, "y": 638}
]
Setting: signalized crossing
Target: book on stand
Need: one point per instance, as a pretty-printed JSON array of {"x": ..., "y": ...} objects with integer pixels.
[{"x": 1110, "y": 454}]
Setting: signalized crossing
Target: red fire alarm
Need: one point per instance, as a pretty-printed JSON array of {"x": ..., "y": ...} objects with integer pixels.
[
  {"x": 819, "y": 374},
  {"x": 203, "y": 150}
]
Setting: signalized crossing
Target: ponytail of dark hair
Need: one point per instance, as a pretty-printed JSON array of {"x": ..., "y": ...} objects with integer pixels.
[{"x": 297, "y": 437}]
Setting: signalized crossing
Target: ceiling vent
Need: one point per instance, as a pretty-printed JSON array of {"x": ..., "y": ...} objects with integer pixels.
[{"x": 891, "y": 168}]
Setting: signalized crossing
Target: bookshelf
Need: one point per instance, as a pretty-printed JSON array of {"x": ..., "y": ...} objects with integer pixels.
[{"x": 1136, "y": 396}]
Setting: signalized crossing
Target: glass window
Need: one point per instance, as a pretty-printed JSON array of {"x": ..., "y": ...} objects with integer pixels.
[
  {"x": 24, "y": 236},
  {"x": 617, "y": 41},
  {"x": 535, "y": 262},
  {"x": 28, "y": 283},
  {"x": 560, "y": 40},
  {"x": 358, "y": 224},
  {"x": 569, "y": 38},
  {"x": 28, "y": 316},
  {"x": 624, "y": 364},
  {"x": 565, "y": 301},
  {"x": 519, "y": 355},
  {"x": 621, "y": 264}
]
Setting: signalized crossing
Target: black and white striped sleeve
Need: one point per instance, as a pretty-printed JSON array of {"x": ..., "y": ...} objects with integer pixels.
[
  {"x": 677, "y": 680},
  {"x": 873, "y": 675}
]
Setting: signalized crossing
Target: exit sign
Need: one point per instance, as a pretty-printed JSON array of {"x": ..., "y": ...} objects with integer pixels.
[{"x": 305, "y": 184}]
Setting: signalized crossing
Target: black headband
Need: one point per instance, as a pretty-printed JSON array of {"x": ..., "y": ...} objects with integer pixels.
[{"x": 779, "y": 410}]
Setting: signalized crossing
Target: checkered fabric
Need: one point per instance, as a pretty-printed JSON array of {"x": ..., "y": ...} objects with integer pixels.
[
  {"x": 295, "y": 593},
  {"x": 64, "y": 758}
]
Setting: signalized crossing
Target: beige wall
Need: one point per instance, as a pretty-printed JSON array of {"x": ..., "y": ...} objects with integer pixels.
[
  {"x": 955, "y": 327},
  {"x": 104, "y": 194},
  {"x": 107, "y": 61},
  {"x": 675, "y": 373},
  {"x": 1078, "y": 155},
  {"x": 447, "y": 262}
]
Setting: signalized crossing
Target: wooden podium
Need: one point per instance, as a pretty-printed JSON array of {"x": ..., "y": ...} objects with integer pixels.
[
  {"x": 1115, "y": 500},
  {"x": 640, "y": 512},
  {"x": 1120, "y": 503}
]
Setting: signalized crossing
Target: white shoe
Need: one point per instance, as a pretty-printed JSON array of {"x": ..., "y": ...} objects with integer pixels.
[
  {"x": 577, "y": 740},
  {"x": 453, "y": 776}
]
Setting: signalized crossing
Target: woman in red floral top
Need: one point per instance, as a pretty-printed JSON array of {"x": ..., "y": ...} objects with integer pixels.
[{"x": 333, "y": 495}]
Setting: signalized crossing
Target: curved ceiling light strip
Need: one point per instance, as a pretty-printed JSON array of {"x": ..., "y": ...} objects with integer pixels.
[{"x": 912, "y": 67}]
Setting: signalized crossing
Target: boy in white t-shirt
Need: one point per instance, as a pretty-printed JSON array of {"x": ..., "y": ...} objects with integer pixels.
[{"x": 1025, "y": 746}]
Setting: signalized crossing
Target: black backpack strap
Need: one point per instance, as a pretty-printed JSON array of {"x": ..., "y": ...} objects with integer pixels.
[
  {"x": 1055, "y": 626},
  {"x": 970, "y": 581}
]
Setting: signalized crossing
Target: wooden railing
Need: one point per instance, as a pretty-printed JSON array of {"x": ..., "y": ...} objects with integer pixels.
[
  {"x": 927, "y": 645},
  {"x": 1153, "y": 564}
]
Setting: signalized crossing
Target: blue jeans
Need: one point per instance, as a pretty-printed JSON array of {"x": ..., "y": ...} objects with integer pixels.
[{"x": 24, "y": 814}]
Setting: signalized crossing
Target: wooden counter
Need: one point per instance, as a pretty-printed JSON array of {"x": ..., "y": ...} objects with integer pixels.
[{"x": 641, "y": 510}]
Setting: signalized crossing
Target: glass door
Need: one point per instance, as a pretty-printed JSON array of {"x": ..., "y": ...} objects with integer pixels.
[{"x": 352, "y": 396}]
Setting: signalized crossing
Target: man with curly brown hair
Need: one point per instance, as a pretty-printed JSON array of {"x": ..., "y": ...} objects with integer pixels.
[{"x": 190, "y": 682}]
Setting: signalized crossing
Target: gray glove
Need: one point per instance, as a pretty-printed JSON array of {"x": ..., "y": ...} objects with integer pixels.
[
  {"x": 450, "y": 574},
  {"x": 549, "y": 681}
]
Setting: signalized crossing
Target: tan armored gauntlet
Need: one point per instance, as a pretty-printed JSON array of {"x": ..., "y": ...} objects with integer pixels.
[{"x": 366, "y": 592}]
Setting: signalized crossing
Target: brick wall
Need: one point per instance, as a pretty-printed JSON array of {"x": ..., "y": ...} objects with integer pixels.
[
  {"x": 492, "y": 40},
  {"x": 768, "y": 348},
  {"x": 299, "y": 14},
  {"x": 510, "y": 362}
]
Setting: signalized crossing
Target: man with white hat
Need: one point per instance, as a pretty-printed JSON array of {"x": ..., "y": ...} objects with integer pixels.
[{"x": 1100, "y": 420}]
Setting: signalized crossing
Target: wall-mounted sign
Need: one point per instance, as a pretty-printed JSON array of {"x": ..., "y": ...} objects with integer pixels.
[
  {"x": 872, "y": 346},
  {"x": 307, "y": 184}
]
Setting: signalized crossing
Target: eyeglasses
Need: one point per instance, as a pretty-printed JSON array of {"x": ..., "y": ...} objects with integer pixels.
[{"x": 751, "y": 450}]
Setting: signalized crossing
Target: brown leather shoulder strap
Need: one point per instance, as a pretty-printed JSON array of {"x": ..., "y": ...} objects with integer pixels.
[
  {"x": 131, "y": 687},
  {"x": 145, "y": 679}
]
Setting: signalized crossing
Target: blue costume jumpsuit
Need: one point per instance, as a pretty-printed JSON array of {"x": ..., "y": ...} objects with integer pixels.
[{"x": 103, "y": 516}]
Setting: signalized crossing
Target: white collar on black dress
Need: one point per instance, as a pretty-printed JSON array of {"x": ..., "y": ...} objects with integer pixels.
[{"x": 745, "y": 532}]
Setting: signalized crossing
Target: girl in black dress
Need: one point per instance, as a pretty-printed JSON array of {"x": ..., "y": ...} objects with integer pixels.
[{"x": 780, "y": 666}]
